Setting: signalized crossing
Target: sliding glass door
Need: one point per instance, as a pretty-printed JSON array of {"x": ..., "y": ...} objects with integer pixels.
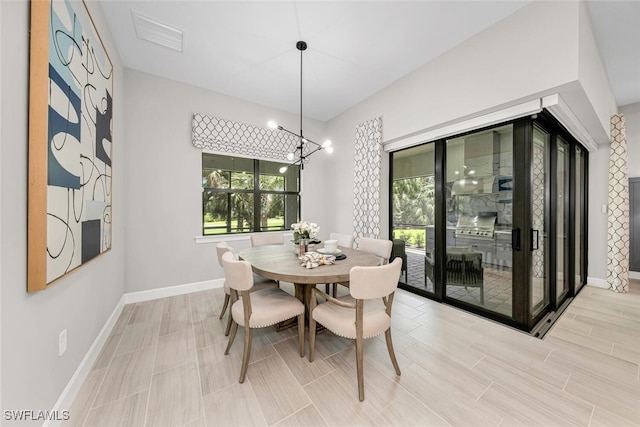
[
  {"x": 478, "y": 199},
  {"x": 580, "y": 273},
  {"x": 413, "y": 211},
  {"x": 562, "y": 220},
  {"x": 540, "y": 187},
  {"x": 493, "y": 220}
]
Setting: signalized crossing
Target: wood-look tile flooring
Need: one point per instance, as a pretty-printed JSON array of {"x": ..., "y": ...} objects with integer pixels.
[{"x": 163, "y": 365}]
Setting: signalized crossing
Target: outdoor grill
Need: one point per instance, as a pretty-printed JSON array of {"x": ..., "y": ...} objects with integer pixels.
[{"x": 478, "y": 226}]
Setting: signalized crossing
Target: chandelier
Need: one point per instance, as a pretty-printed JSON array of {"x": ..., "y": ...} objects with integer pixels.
[{"x": 306, "y": 147}]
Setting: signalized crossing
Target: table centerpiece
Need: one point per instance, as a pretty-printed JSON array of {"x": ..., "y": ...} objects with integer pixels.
[{"x": 304, "y": 234}]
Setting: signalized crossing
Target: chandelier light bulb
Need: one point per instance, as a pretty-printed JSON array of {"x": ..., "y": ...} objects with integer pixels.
[
  {"x": 326, "y": 144},
  {"x": 272, "y": 124},
  {"x": 329, "y": 149},
  {"x": 283, "y": 169},
  {"x": 290, "y": 156}
]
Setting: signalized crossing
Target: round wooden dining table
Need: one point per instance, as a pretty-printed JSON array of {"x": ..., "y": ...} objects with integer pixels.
[{"x": 280, "y": 262}]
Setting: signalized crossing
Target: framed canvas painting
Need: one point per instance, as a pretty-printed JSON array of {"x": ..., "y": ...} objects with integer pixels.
[{"x": 70, "y": 139}]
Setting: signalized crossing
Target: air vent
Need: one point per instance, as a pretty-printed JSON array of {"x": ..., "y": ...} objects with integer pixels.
[{"x": 156, "y": 32}]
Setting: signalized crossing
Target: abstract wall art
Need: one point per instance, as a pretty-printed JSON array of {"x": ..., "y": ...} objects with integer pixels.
[{"x": 70, "y": 142}]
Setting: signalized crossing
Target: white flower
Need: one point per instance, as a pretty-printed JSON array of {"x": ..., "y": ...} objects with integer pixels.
[{"x": 305, "y": 230}]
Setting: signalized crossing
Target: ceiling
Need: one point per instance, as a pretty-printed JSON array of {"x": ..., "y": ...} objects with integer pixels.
[{"x": 247, "y": 49}]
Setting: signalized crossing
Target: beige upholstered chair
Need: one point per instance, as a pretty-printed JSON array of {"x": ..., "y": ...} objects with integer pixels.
[
  {"x": 344, "y": 240},
  {"x": 379, "y": 247},
  {"x": 360, "y": 315},
  {"x": 261, "y": 239},
  {"x": 259, "y": 283},
  {"x": 257, "y": 309}
]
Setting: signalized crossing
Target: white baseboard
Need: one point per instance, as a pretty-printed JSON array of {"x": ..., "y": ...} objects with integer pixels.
[
  {"x": 171, "y": 291},
  {"x": 602, "y": 283},
  {"x": 80, "y": 375},
  {"x": 598, "y": 283},
  {"x": 77, "y": 379}
]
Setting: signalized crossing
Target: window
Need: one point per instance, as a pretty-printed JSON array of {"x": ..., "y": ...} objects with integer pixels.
[{"x": 241, "y": 195}]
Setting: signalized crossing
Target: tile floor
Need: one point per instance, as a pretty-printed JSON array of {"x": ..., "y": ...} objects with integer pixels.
[{"x": 163, "y": 365}]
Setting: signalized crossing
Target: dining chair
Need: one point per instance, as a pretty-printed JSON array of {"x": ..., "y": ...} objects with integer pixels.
[
  {"x": 261, "y": 239},
  {"x": 256, "y": 309},
  {"x": 346, "y": 241},
  {"x": 359, "y": 315},
  {"x": 259, "y": 283},
  {"x": 378, "y": 247}
]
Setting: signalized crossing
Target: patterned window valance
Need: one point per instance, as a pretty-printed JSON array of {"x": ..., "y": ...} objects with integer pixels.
[{"x": 227, "y": 136}]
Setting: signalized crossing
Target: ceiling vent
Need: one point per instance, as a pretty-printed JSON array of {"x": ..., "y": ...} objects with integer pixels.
[{"x": 156, "y": 32}]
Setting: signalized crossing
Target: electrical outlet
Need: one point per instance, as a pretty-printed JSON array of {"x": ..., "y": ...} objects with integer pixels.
[{"x": 62, "y": 342}]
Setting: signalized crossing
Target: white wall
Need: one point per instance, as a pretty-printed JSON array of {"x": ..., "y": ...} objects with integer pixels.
[
  {"x": 632, "y": 122},
  {"x": 535, "y": 52},
  {"x": 532, "y": 53},
  {"x": 600, "y": 103},
  {"x": 164, "y": 179},
  {"x": 33, "y": 376},
  {"x": 598, "y": 193},
  {"x": 599, "y": 189}
]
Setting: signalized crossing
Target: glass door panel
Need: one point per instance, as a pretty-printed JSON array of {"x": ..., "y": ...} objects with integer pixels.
[
  {"x": 539, "y": 241},
  {"x": 562, "y": 220},
  {"x": 413, "y": 212},
  {"x": 579, "y": 215},
  {"x": 478, "y": 200}
]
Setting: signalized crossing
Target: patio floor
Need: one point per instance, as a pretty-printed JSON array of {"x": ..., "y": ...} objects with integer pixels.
[{"x": 497, "y": 285}]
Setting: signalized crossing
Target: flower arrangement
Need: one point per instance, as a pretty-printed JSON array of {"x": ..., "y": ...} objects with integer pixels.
[{"x": 304, "y": 230}]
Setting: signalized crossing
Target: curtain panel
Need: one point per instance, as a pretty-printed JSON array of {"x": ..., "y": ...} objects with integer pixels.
[
  {"x": 366, "y": 179},
  {"x": 618, "y": 220}
]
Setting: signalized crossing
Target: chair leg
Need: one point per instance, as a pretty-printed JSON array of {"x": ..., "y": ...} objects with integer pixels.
[
  {"x": 392, "y": 354},
  {"x": 327, "y": 287},
  {"x": 232, "y": 335},
  {"x": 335, "y": 290},
  {"x": 224, "y": 306},
  {"x": 312, "y": 336},
  {"x": 301, "y": 333},
  {"x": 229, "y": 320},
  {"x": 246, "y": 354},
  {"x": 359, "y": 365}
]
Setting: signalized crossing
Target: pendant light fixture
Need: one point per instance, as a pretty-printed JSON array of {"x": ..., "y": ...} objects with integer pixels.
[{"x": 306, "y": 147}]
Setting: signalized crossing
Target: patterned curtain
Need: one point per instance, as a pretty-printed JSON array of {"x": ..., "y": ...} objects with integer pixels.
[
  {"x": 366, "y": 179},
  {"x": 227, "y": 136},
  {"x": 618, "y": 239}
]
